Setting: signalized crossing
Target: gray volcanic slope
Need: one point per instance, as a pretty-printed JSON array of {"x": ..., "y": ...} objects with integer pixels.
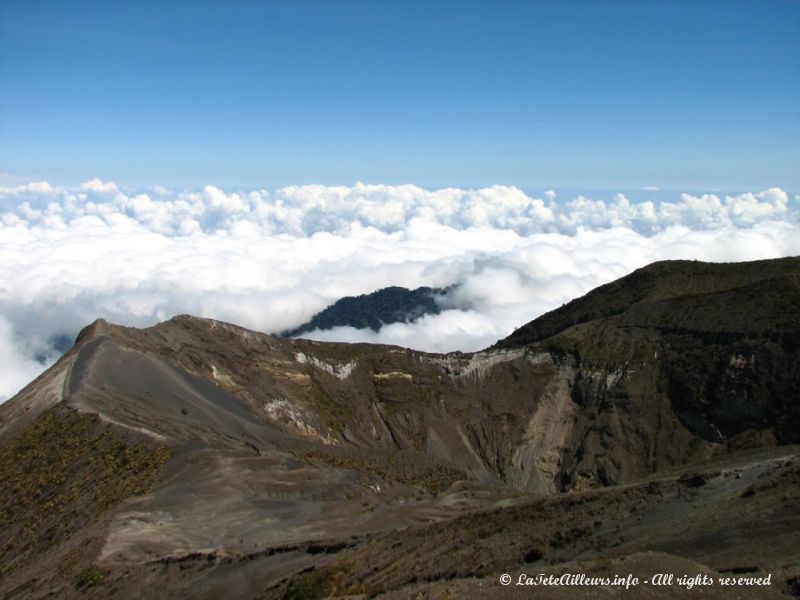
[{"x": 647, "y": 427}]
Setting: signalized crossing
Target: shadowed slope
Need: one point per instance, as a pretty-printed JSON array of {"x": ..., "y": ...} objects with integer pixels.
[{"x": 750, "y": 297}]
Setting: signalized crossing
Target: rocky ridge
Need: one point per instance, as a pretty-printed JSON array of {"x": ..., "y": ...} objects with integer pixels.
[{"x": 257, "y": 457}]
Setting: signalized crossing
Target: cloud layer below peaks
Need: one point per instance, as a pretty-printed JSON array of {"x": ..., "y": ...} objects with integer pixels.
[{"x": 271, "y": 259}]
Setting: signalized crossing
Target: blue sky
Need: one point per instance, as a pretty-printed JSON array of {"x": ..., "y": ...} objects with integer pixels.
[{"x": 596, "y": 95}]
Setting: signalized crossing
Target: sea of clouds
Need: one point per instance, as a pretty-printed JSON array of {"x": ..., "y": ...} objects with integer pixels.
[{"x": 270, "y": 259}]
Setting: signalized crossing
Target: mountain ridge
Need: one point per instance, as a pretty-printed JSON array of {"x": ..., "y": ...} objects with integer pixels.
[
  {"x": 287, "y": 465},
  {"x": 689, "y": 280}
]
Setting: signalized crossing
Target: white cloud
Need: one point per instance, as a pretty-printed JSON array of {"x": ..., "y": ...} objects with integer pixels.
[
  {"x": 37, "y": 187},
  {"x": 97, "y": 185},
  {"x": 271, "y": 259},
  {"x": 17, "y": 366}
]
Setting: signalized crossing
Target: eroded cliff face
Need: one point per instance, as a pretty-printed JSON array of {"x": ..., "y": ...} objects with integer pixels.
[
  {"x": 541, "y": 418},
  {"x": 530, "y": 418}
]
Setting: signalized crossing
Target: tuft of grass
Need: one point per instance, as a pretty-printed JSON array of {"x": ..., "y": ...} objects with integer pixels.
[
  {"x": 323, "y": 582},
  {"x": 89, "y": 577}
]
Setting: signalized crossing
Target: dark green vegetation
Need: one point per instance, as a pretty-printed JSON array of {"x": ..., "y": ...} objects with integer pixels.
[
  {"x": 59, "y": 477},
  {"x": 645, "y": 428},
  {"x": 388, "y": 305}
]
